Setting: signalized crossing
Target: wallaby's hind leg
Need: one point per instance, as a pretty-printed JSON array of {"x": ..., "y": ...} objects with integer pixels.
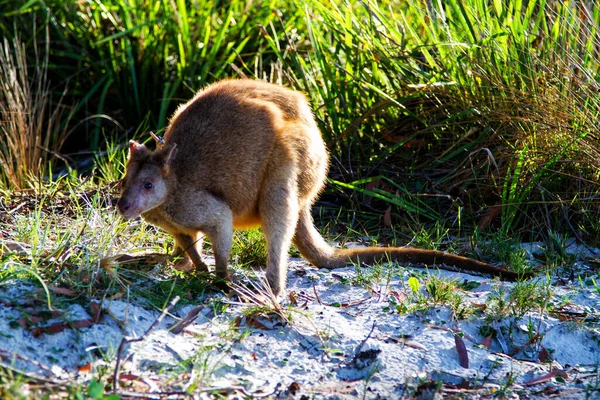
[
  {"x": 279, "y": 215},
  {"x": 193, "y": 248}
]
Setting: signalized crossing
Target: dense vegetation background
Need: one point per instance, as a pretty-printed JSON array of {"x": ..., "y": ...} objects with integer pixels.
[{"x": 479, "y": 115}]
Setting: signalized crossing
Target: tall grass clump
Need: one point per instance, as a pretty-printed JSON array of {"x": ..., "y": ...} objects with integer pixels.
[
  {"x": 134, "y": 61},
  {"x": 483, "y": 112},
  {"x": 488, "y": 107},
  {"x": 32, "y": 125}
]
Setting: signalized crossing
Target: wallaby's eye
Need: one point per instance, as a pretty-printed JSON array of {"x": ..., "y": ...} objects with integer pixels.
[{"x": 148, "y": 186}]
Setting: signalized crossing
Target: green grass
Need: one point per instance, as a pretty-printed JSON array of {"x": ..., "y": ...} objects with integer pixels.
[
  {"x": 517, "y": 301},
  {"x": 128, "y": 62},
  {"x": 503, "y": 248},
  {"x": 429, "y": 291},
  {"x": 249, "y": 248},
  {"x": 438, "y": 86}
]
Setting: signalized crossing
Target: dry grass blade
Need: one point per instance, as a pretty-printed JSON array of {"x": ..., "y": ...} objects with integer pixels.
[{"x": 260, "y": 295}]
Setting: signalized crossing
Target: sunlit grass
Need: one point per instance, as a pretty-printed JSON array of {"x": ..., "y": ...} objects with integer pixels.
[{"x": 454, "y": 105}]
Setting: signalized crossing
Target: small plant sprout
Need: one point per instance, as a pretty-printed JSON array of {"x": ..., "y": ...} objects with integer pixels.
[{"x": 556, "y": 250}]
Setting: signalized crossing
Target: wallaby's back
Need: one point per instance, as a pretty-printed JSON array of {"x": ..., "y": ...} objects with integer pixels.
[{"x": 232, "y": 134}]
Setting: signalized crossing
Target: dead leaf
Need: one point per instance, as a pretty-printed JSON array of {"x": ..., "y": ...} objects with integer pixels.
[
  {"x": 251, "y": 322},
  {"x": 487, "y": 342},
  {"x": 405, "y": 340},
  {"x": 566, "y": 315},
  {"x": 461, "y": 349},
  {"x": 255, "y": 323},
  {"x": 544, "y": 355},
  {"x": 117, "y": 296},
  {"x": 489, "y": 216},
  {"x": 464, "y": 385},
  {"x": 96, "y": 312},
  {"x": 136, "y": 379},
  {"x": 387, "y": 217},
  {"x": 82, "y": 323},
  {"x": 64, "y": 291},
  {"x": 415, "y": 345},
  {"x": 293, "y": 300},
  {"x": 25, "y": 322},
  {"x": 400, "y": 297},
  {"x": 293, "y": 388},
  {"x": 60, "y": 326},
  {"x": 42, "y": 313},
  {"x": 84, "y": 369},
  {"x": 400, "y": 338},
  {"x": 551, "y": 375},
  {"x": 129, "y": 377}
]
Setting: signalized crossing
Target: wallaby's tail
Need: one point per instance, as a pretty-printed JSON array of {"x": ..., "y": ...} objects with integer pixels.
[{"x": 319, "y": 253}]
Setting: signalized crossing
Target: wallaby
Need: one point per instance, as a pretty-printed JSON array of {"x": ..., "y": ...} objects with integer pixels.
[{"x": 240, "y": 154}]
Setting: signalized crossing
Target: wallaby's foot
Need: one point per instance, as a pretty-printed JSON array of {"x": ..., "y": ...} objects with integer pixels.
[
  {"x": 222, "y": 284},
  {"x": 222, "y": 280},
  {"x": 184, "y": 264},
  {"x": 276, "y": 287}
]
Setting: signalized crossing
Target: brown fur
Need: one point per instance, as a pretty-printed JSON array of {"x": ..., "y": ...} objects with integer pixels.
[{"x": 245, "y": 153}]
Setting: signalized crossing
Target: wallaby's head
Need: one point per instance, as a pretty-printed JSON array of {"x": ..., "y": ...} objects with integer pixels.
[{"x": 144, "y": 184}]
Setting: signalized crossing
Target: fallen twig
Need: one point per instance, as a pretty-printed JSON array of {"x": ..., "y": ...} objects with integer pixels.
[
  {"x": 6, "y": 355},
  {"x": 126, "y": 341},
  {"x": 316, "y": 294},
  {"x": 156, "y": 395},
  {"x": 549, "y": 376}
]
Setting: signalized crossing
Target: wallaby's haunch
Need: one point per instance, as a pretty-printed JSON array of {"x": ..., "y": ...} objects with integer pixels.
[{"x": 240, "y": 154}]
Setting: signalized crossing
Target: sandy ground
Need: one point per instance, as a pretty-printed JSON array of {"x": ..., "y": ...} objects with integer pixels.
[{"x": 338, "y": 341}]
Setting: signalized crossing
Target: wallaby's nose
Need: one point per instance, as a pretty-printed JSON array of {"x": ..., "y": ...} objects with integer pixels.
[{"x": 123, "y": 205}]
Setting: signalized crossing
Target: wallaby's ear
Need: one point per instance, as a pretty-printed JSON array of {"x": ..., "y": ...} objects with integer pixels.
[
  {"x": 135, "y": 147},
  {"x": 159, "y": 141},
  {"x": 167, "y": 153}
]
